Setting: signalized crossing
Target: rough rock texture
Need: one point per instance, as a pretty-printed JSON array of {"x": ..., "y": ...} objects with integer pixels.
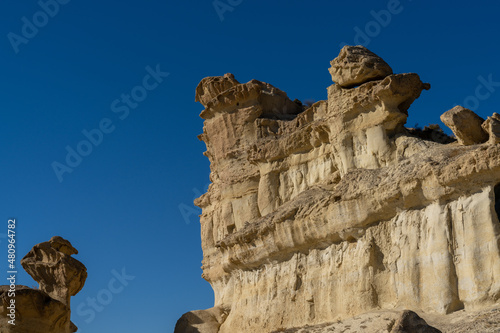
[
  {"x": 206, "y": 321},
  {"x": 466, "y": 125},
  {"x": 492, "y": 127},
  {"x": 211, "y": 87},
  {"x": 36, "y": 312},
  {"x": 484, "y": 321},
  {"x": 409, "y": 321},
  {"x": 47, "y": 309},
  {"x": 356, "y": 65},
  {"x": 384, "y": 321},
  {"x": 373, "y": 322},
  {"x": 51, "y": 265},
  {"x": 319, "y": 215}
]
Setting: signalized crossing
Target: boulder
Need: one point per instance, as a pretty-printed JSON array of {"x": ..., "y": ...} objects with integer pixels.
[
  {"x": 201, "y": 321},
  {"x": 410, "y": 322},
  {"x": 466, "y": 125},
  {"x": 356, "y": 65},
  {"x": 211, "y": 87}
]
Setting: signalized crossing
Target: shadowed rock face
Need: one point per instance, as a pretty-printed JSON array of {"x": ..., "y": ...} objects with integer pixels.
[
  {"x": 36, "y": 312},
  {"x": 321, "y": 214},
  {"x": 409, "y": 321},
  {"x": 51, "y": 265},
  {"x": 47, "y": 309},
  {"x": 206, "y": 321}
]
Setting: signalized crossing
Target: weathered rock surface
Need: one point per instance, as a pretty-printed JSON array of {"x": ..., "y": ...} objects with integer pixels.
[
  {"x": 319, "y": 215},
  {"x": 356, "y": 65},
  {"x": 492, "y": 127},
  {"x": 47, "y": 309},
  {"x": 466, "y": 125},
  {"x": 483, "y": 321},
  {"x": 206, "y": 321},
  {"x": 211, "y": 87},
  {"x": 384, "y": 321},
  {"x": 51, "y": 265},
  {"x": 409, "y": 321},
  {"x": 373, "y": 322},
  {"x": 36, "y": 312}
]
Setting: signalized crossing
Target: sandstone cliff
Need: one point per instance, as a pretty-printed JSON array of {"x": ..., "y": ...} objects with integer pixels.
[
  {"x": 320, "y": 214},
  {"x": 46, "y": 309}
]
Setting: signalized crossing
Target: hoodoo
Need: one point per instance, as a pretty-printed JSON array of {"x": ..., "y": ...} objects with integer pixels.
[{"x": 46, "y": 309}]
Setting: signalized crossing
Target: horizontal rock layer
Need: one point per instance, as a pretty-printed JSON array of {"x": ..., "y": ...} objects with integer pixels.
[{"x": 319, "y": 214}]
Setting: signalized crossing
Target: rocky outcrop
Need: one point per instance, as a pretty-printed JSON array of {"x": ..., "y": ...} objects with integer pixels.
[
  {"x": 320, "y": 214},
  {"x": 466, "y": 125},
  {"x": 47, "y": 309},
  {"x": 206, "y": 321},
  {"x": 409, "y": 321},
  {"x": 373, "y": 322},
  {"x": 492, "y": 127},
  {"x": 50, "y": 264},
  {"x": 356, "y": 65}
]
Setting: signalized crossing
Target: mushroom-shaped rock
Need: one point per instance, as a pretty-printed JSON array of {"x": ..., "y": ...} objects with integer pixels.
[
  {"x": 492, "y": 127},
  {"x": 356, "y": 65},
  {"x": 51, "y": 265},
  {"x": 466, "y": 125},
  {"x": 211, "y": 87}
]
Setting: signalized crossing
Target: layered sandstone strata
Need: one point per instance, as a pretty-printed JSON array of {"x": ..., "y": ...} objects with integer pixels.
[
  {"x": 319, "y": 214},
  {"x": 46, "y": 309}
]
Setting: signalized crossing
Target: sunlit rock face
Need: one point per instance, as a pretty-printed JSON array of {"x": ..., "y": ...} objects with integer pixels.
[
  {"x": 46, "y": 309},
  {"x": 322, "y": 213},
  {"x": 51, "y": 265}
]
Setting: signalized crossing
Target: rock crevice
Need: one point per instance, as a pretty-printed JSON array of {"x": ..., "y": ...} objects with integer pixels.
[{"x": 323, "y": 213}]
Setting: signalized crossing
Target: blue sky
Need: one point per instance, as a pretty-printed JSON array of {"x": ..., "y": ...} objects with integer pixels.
[{"x": 119, "y": 206}]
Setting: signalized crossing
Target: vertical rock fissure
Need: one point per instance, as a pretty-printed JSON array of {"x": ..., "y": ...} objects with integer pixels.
[{"x": 456, "y": 304}]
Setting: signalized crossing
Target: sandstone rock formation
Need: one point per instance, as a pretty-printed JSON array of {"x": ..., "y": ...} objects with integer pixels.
[
  {"x": 492, "y": 127},
  {"x": 409, "y": 321},
  {"x": 465, "y": 124},
  {"x": 47, "y": 309},
  {"x": 206, "y": 321},
  {"x": 374, "y": 322},
  {"x": 321, "y": 214},
  {"x": 356, "y": 65}
]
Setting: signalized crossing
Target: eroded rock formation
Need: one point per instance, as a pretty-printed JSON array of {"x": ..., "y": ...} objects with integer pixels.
[
  {"x": 466, "y": 125},
  {"x": 321, "y": 214},
  {"x": 47, "y": 309}
]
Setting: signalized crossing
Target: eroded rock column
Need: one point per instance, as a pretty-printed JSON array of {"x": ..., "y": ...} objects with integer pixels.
[{"x": 47, "y": 309}]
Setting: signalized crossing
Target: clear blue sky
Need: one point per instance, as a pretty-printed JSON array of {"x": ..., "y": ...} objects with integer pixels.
[{"x": 120, "y": 204}]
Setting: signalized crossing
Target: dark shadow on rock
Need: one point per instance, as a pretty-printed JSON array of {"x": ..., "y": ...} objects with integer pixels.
[{"x": 410, "y": 322}]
